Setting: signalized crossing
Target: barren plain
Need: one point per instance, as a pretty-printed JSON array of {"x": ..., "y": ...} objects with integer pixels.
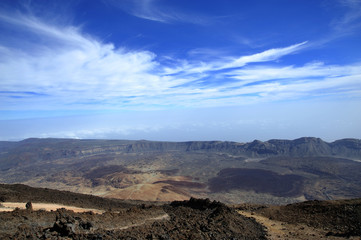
[{"x": 272, "y": 172}]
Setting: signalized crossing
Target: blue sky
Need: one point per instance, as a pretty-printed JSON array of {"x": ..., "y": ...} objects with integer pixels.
[{"x": 180, "y": 70}]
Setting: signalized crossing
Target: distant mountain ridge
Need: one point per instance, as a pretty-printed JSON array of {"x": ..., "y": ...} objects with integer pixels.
[{"x": 301, "y": 147}]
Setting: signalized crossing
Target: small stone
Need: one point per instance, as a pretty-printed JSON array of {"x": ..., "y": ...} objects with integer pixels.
[{"x": 29, "y": 206}]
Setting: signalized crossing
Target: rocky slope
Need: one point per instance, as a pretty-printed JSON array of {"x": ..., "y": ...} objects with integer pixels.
[
  {"x": 190, "y": 219},
  {"x": 336, "y": 219}
]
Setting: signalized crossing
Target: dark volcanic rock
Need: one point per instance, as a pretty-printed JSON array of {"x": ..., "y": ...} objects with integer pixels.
[
  {"x": 257, "y": 180},
  {"x": 22, "y": 193},
  {"x": 194, "y": 219},
  {"x": 199, "y": 204},
  {"x": 347, "y": 148},
  {"x": 29, "y": 206},
  {"x": 306, "y": 146},
  {"x": 340, "y": 218}
]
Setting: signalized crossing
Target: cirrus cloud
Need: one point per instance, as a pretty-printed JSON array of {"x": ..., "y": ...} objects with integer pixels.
[{"x": 69, "y": 69}]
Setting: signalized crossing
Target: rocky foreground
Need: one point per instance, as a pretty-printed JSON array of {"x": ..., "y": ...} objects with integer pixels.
[
  {"x": 190, "y": 219},
  {"x": 193, "y": 219},
  {"x": 309, "y": 220}
]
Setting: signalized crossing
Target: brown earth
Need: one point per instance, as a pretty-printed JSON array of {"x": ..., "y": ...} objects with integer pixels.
[{"x": 116, "y": 181}]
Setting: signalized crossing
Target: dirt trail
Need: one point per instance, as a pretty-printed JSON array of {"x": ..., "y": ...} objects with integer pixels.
[
  {"x": 10, "y": 206},
  {"x": 158, "y": 218},
  {"x": 282, "y": 230}
]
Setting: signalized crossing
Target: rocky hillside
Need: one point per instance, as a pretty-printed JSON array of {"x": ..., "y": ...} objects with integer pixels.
[
  {"x": 338, "y": 219},
  {"x": 190, "y": 219}
]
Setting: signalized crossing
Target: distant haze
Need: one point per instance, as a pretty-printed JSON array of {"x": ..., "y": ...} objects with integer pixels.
[{"x": 241, "y": 124}]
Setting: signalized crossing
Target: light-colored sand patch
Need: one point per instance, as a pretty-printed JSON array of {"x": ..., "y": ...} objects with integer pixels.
[
  {"x": 146, "y": 192},
  {"x": 10, "y": 206}
]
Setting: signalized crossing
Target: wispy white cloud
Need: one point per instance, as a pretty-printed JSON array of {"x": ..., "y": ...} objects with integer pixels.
[
  {"x": 228, "y": 62},
  {"x": 265, "y": 56},
  {"x": 347, "y": 23},
  {"x": 350, "y": 19},
  {"x": 71, "y": 70},
  {"x": 154, "y": 10},
  {"x": 309, "y": 71}
]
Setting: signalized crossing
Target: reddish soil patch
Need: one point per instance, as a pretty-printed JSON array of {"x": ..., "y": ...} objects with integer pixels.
[{"x": 106, "y": 170}]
